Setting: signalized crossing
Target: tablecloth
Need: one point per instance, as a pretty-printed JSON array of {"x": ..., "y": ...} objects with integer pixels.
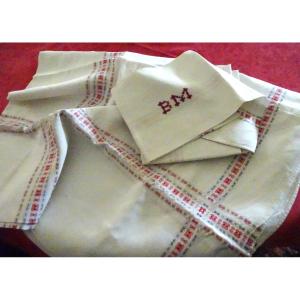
[{"x": 276, "y": 63}]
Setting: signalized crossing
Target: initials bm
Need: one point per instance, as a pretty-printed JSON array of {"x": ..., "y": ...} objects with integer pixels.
[{"x": 166, "y": 105}]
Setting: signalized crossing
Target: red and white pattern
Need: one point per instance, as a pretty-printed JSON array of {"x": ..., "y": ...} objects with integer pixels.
[
  {"x": 239, "y": 163},
  {"x": 230, "y": 230},
  {"x": 43, "y": 179},
  {"x": 203, "y": 211},
  {"x": 100, "y": 81},
  {"x": 233, "y": 173},
  {"x": 216, "y": 219}
]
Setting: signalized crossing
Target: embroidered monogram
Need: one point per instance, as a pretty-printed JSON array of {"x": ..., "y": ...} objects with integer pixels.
[{"x": 166, "y": 105}]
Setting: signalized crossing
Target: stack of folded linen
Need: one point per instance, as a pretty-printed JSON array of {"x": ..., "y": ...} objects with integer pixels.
[{"x": 124, "y": 154}]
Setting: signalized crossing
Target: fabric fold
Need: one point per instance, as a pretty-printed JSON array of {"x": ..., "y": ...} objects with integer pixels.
[
  {"x": 237, "y": 136},
  {"x": 166, "y": 107},
  {"x": 43, "y": 149}
]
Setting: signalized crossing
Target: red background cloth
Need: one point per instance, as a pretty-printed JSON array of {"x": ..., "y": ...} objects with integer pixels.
[{"x": 278, "y": 63}]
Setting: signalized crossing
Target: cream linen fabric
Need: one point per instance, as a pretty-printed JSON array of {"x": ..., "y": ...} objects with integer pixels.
[
  {"x": 209, "y": 97},
  {"x": 72, "y": 175}
]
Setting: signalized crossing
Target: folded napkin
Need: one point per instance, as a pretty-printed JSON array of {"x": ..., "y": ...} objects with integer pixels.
[{"x": 186, "y": 110}]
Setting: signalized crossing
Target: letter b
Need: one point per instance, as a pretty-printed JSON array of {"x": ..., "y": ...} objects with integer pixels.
[{"x": 165, "y": 106}]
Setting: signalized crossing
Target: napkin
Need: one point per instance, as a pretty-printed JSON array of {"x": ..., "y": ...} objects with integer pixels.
[{"x": 168, "y": 108}]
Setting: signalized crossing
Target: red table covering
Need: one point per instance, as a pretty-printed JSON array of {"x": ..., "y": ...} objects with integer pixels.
[{"x": 278, "y": 63}]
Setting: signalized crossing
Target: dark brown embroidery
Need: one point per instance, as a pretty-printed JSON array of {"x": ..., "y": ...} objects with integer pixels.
[{"x": 166, "y": 105}]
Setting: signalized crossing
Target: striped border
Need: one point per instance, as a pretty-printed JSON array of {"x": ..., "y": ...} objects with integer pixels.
[
  {"x": 42, "y": 181},
  {"x": 100, "y": 81},
  {"x": 231, "y": 176},
  {"x": 44, "y": 177},
  {"x": 225, "y": 227},
  {"x": 168, "y": 191}
]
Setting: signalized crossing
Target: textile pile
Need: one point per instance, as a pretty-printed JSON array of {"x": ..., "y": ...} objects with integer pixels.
[{"x": 123, "y": 154}]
